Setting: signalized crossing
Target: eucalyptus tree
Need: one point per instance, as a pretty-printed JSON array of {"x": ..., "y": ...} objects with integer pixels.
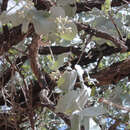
[{"x": 64, "y": 63}]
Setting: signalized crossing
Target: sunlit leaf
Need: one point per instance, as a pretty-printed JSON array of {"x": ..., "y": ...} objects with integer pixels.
[
  {"x": 66, "y": 103},
  {"x": 106, "y": 6},
  {"x": 60, "y": 81},
  {"x": 67, "y": 30},
  {"x": 59, "y": 61},
  {"x": 80, "y": 72},
  {"x": 75, "y": 121},
  {"x": 69, "y": 78},
  {"x": 82, "y": 98},
  {"x": 57, "y": 12},
  {"x": 43, "y": 25},
  {"x": 65, "y": 2},
  {"x": 93, "y": 91},
  {"x": 13, "y": 51},
  {"x": 25, "y": 26},
  {"x": 70, "y": 10},
  {"x": 93, "y": 125},
  {"x": 93, "y": 111},
  {"x": 85, "y": 122}
]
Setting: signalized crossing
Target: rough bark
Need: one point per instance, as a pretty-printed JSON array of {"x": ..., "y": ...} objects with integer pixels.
[{"x": 113, "y": 74}]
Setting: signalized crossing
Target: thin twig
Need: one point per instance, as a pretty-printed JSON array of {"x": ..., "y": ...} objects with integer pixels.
[
  {"x": 118, "y": 31},
  {"x": 126, "y": 2},
  {"x": 51, "y": 53},
  {"x": 19, "y": 50},
  {"x": 4, "y": 5},
  {"x": 98, "y": 62},
  {"x": 101, "y": 34},
  {"x": 120, "y": 8},
  {"x": 113, "y": 104},
  {"x": 87, "y": 41}
]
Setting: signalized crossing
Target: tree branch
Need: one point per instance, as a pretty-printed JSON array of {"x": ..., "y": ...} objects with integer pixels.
[
  {"x": 88, "y": 5},
  {"x": 14, "y": 37},
  {"x": 113, "y": 74},
  {"x": 33, "y": 56},
  {"x": 119, "y": 43},
  {"x": 4, "y": 5},
  {"x": 6, "y": 76},
  {"x": 95, "y": 53},
  {"x": 113, "y": 104}
]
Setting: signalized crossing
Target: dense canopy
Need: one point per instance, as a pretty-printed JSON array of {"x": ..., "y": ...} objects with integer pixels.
[{"x": 64, "y": 64}]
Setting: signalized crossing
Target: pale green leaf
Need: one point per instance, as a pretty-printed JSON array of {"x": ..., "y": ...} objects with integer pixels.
[
  {"x": 70, "y": 11},
  {"x": 57, "y": 12},
  {"x": 75, "y": 121},
  {"x": 106, "y": 6},
  {"x": 65, "y": 2},
  {"x": 93, "y": 111},
  {"x": 66, "y": 103},
  {"x": 25, "y": 26},
  {"x": 93, "y": 91},
  {"x": 69, "y": 78},
  {"x": 93, "y": 125},
  {"x": 60, "y": 81},
  {"x": 59, "y": 62},
  {"x": 66, "y": 30}
]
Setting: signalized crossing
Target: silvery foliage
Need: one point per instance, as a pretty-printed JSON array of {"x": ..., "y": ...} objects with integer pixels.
[
  {"x": 57, "y": 11},
  {"x": 85, "y": 119},
  {"x": 80, "y": 72},
  {"x": 44, "y": 22},
  {"x": 87, "y": 122},
  {"x": 67, "y": 103},
  {"x": 118, "y": 97},
  {"x": 55, "y": 22},
  {"x": 65, "y": 2},
  {"x": 69, "y": 78},
  {"x": 90, "y": 124},
  {"x": 73, "y": 99},
  {"x": 97, "y": 19},
  {"x": 28, "y": 14},
  {"x": 75, "y": 122},
  {"x": 126, "y": 102},
  {"x": 69, "y": 6},
  {"x": 73, "y": 102},
  {"x": 58, "y": 61},
  {"x": 66, "y": 28},
  {"x": 13, "y": 14}
]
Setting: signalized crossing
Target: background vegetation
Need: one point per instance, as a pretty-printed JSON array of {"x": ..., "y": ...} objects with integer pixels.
[{"x": 64, "y": 64}]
